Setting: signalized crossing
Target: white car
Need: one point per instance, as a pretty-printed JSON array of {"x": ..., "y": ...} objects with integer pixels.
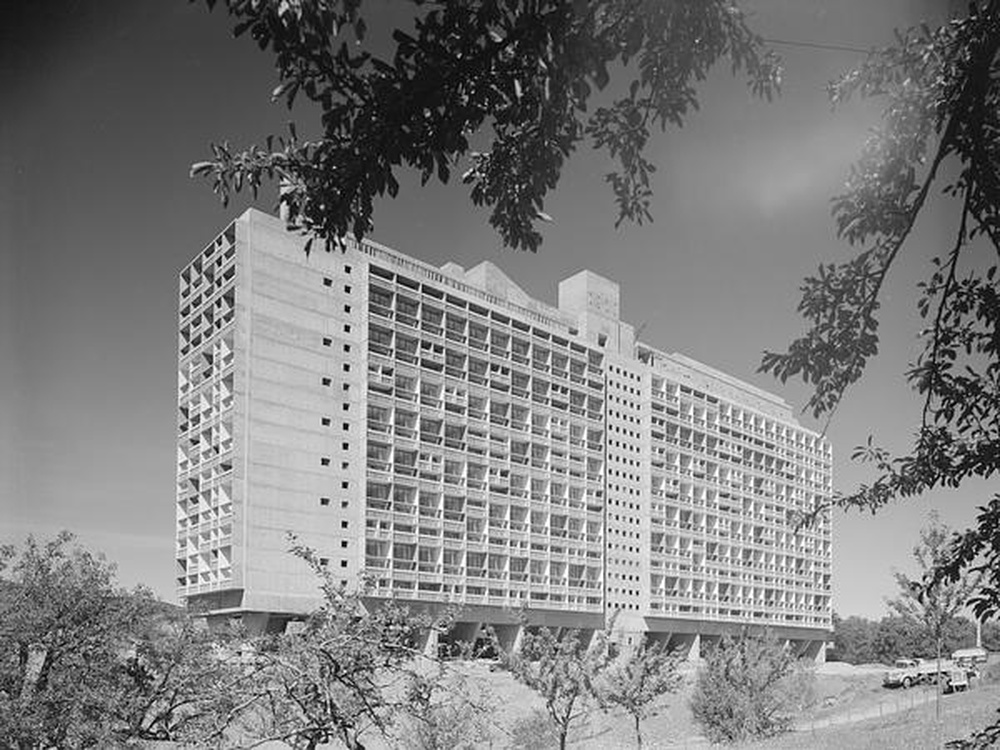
[{"x": 904, "y": 672}]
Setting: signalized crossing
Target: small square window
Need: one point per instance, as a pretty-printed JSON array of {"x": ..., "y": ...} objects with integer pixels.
[
  {"x": 347, "y": 288},
  {"x": 344, "y": 465},
  {"x": 345, "y": 446},
  {"x": 324, "y": 561},
  {"x": 327, "y": 281},
  {"x": 327, "y": 381},
  {"x": 324, "y": 461},
  {"x": 347, "y": 308},
  {"x": 347, "y": 269},
  {"x": 343, "y": 544},
  {"x": 347, "y": 327},
  {"x": 343, "y": 563},
  {"x": 345, "y": 485},
  {"x": 346, "y": 407},
  {"x": 347, "y": 347},
  {"x": 324, "y": 501},
  {"x": 325, "y": 421},
  {"x": 343, "y": 524},
  {"x": 346, "y": 387},
  {"x": 347, "y": 367},
  {"x": 346, "y": 426},
  {"x": 343, "y": 503},
  {"x": 327, "y": 341}
]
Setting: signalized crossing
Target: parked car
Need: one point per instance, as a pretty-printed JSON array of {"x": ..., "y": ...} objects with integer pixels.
[
  {"x": 907, "y": 672},
  {"x": 903, "y": 674}
]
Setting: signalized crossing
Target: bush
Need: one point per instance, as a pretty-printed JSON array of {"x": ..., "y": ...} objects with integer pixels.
[
  {"x": 990, "y": 673},
  {"x": 853, "y": 639},
  {"x": 741, "y": 692},
  {"x": 534, "y": 732},
  {"x": 797, "y": 691},
  {"x": 445, "y": 712}
]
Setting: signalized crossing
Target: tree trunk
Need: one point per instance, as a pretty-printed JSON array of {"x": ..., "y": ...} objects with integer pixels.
[
  {"x": 563, "y": 723},
  {"x": 23, "y": 655},
  {"x": 351, "y": 741},
  {"x": 937, "y": 701},
  {"x": 42, "y": 680},
  {"x": 638, "y": 733}
]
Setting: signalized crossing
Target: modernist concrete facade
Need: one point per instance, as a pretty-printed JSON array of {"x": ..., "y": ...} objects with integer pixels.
[{"x": 460, "y": 442}]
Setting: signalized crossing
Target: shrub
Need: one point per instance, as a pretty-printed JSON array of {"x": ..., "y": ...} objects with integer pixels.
[
  {"x": 445, "y": 712},
  {"x": 797, "y": 691},
  {"x": 534, "y": 732},
  {"x": 991, "y": 673},
  {"x": 739, "y": 693}
]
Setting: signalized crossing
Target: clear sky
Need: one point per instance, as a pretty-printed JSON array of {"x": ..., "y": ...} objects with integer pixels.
[{"x": 107, "y": 104}]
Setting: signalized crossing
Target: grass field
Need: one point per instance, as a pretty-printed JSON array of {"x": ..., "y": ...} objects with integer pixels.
[
  {"x": 916, "y": 729},
  {"x": 845, "y": 708},
  {"x": 839, "y": 700}
]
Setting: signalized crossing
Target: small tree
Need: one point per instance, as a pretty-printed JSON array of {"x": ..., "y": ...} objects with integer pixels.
[
  {"x": 343, "y": 675},
  {"x": 445, "y": 712},
  {"x": 562, "y": 670},
  {"x": 181, "y": 682},
  {"x": 64, "y": 627},
  {"x": 84, "y": 663},
  {"x": 937, "y": 606},
  {"x": 738, "y": 692},
  {"x": 635, "y": 681}
]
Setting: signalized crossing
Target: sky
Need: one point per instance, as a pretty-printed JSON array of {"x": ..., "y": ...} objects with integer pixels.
[{"x": 108, "y": 104}]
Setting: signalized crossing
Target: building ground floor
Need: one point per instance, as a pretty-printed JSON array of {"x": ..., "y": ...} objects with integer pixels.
[
  {"x": 471, "y": 626},
  {"x": 695, "y": 638}
]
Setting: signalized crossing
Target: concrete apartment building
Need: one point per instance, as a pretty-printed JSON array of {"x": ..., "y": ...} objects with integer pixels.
[{"x": 442, "y": 432}]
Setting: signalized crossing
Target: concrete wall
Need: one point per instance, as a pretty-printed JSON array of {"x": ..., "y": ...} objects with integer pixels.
[{"x": 298, "y": 336}]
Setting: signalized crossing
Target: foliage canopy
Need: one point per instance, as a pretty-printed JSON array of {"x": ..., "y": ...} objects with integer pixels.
[
  {"x": 939, "y": 129},
  {"x": 63, "y": 625},
  {"x": 858, "y": 640},
  {"x": 84, "y": 663},
  {"x": 521, "y": 77},
  {"x": 939, "y": 132}
]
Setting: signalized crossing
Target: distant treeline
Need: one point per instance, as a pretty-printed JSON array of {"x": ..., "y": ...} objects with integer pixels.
[{"x": 858, "y": 640}]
